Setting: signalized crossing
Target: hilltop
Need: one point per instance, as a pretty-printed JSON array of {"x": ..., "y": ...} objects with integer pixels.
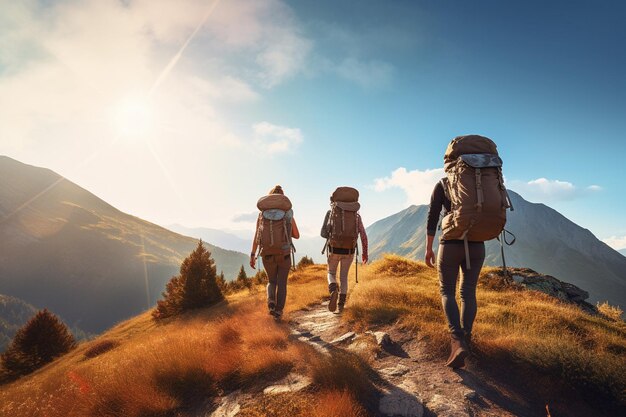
[
  {"x": 66, "y": 249},
  {"x": 531, "y": 350},
  {"x": 546, "y": 241}
]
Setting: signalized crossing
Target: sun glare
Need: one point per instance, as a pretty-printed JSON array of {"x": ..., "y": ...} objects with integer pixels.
[{"x": 133, "y": 118}]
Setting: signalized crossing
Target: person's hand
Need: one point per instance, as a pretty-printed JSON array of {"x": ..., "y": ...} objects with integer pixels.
[
  {"x": 430, "y": 258},
  {"x": 364, "y": 259},
  {"x": 252, "y": 261}
]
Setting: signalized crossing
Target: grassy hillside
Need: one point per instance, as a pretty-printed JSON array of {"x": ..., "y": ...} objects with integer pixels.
[
  {"x": 63, "y": 248},
  {"x": 547, "y": 351}
]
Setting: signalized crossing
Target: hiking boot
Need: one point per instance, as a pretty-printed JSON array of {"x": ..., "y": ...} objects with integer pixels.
[
  {"x": 271, "y": 306},
  {"x": 342, "y": 302},
  {"x": 277, "y": 315},
  {"x": 458, "y": 351},
  {"x": 332, "y": 304}
]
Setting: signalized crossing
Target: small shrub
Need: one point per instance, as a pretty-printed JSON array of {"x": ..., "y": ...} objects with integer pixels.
[
  {"x": 40, "y": 341},
  {"x": 260, "y": 277},
  {"x": 304, "y": 262}
]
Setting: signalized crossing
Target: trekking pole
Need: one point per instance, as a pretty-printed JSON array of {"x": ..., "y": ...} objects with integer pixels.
[{"x": 356, "y": 263}]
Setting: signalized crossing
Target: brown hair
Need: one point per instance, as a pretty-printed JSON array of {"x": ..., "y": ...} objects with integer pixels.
[{"x": 277, "y": 190}]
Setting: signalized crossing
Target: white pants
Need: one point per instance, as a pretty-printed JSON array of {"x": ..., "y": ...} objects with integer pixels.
[{"x": 333, "y": 262}]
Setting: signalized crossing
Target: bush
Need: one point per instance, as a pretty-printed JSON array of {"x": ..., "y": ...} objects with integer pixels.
[
  {"x": 195, "y": 287},
  {"x": 304, "y": 262},
  {"x": 37, "y": 343},
  {"x": 260, "y": 277}
]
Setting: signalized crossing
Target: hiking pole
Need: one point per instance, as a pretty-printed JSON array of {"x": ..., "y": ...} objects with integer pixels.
[{"x": 356, "y": 263}]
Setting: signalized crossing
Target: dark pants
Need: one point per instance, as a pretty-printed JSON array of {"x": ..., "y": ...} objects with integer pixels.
[
  {"x": 450, "y": 258},
  {"x": 277, "y": 268}
]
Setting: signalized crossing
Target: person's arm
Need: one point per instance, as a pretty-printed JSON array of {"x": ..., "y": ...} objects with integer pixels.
[
  {"x": 295, "y": 233},
  {"x": 255, "y": 245},
  {"x": 363, "y": 235},
  {"x": 436, "y": 203}
]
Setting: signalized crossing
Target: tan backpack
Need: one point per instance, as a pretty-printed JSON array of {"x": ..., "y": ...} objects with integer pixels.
[
  {"x": 274, "y": 225},
  {"x": 476, "y": 189},
  {"x": 343, "y": 222}
]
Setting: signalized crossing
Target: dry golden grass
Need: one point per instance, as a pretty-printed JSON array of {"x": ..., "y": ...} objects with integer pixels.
[
  {"x": 534, "y": 330},
  {"x": 143, "y": 368},
  {"x": 612, "y": 312}
]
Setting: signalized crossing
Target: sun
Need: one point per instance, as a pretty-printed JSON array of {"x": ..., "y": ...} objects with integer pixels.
[{"x": 133, "y": 118}]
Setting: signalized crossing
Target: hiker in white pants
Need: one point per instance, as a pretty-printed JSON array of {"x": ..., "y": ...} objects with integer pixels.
[{"x": 342, "y": 226}]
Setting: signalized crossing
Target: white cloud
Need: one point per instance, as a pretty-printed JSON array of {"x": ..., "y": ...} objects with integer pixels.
[
  {"x": 274, "y": 139},
  {"x": 418, "y": 185},
  {"x": 546, "y": 190},
  {"x": 616, "y": 242}
]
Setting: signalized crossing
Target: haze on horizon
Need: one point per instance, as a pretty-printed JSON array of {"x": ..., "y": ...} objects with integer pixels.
[{"x": 186, "y": 112}]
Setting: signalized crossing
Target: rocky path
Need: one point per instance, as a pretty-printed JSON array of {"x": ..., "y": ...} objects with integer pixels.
[{"x": 412, "y": 383}]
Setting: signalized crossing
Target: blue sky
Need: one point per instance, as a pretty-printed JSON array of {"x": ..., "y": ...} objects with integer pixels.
[{"x": 313, "y": 95}]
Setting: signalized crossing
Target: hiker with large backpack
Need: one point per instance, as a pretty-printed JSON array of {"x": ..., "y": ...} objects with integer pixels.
[
  {"x": 475, "y": 202},
  {"x": 341, "y": 228},
  {"x": 275, "y": 228}
]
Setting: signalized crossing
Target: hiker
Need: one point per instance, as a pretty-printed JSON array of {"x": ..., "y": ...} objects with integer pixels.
[
  {"x": 341, "y": 228},
  {"x": 275, "y": 228},
  {"x": 475, "y": 202}
]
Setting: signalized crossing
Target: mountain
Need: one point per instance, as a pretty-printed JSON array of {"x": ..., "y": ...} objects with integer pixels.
[
  {"x": 546, "y": 242},
  {"x": 622, "y": 251},
  {"x": 217, "y": 237},
  {"x": 65, "y": 249},
  {"x": 310, "y": 246}
]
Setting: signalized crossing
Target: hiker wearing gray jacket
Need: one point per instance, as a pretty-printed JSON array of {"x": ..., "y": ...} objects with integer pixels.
[{"x": 341, "y": 228}]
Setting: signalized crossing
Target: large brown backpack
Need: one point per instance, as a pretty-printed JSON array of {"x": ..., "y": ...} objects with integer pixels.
[
  {"x": 476, "y": 189},
  {"x": 343, "y": 222},
  {"x": 274, "y": 225}
]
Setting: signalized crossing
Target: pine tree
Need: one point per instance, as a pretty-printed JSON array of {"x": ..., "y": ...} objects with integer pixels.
[
  {"x": 221, "y": 282},
  {"x": 196, "y": 286},
  {"x": 242, "y": 279},
  {"x": 37, "y": 343}
]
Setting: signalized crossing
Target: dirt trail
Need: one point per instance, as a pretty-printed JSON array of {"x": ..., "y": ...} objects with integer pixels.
[{"x": 412, "y": 382}]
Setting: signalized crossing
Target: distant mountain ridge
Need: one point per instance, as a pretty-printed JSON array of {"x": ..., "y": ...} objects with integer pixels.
[
  {"x": 14, "y": 313},
  {"x": 546, "y": 241},
  {"x": 310, "y": 246},
  {"x": 63, "y": 248}
]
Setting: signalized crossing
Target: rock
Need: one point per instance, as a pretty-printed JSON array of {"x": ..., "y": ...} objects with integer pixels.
[
  {"x": 470, "y": 395},
  {"x": 400, "y": 402},
  {"x": 382, "y": 338},
  {"x": 344, "y": 338},
  {"x": 291, "y": 383},
  {"x": 443, "y": 406},
  {"x": 397, "y": 370},
  {"x": 229, "y": 406}
]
